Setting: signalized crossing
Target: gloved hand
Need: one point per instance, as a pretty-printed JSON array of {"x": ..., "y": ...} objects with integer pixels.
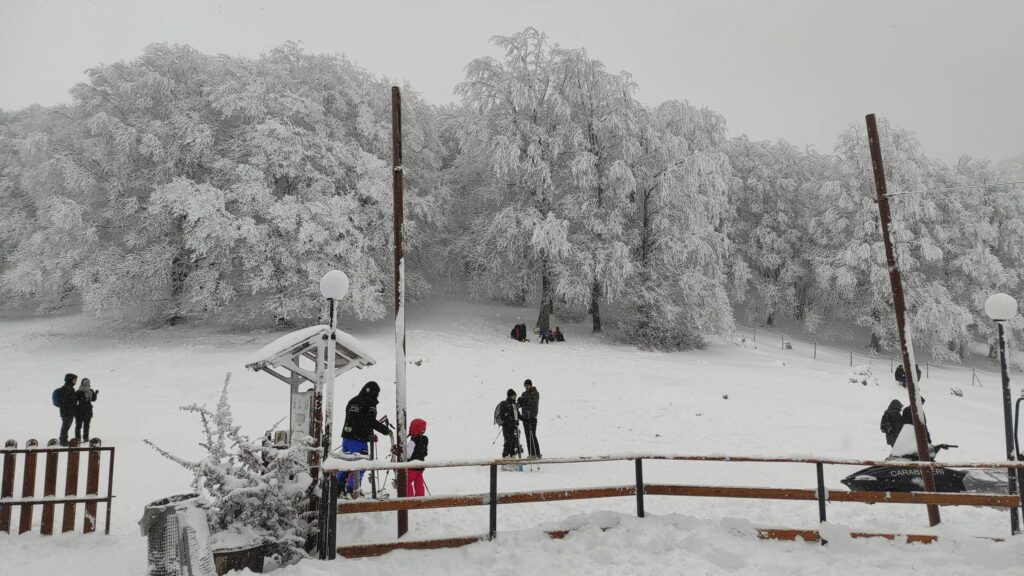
[{"x": 396, "y": 450}]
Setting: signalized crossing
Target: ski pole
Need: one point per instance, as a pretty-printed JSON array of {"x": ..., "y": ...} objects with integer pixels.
[
  {"x": 427, "y": 488},
  {"x": 495, "y": 438}
]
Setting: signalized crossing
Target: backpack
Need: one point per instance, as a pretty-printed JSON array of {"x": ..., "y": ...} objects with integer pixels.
[
  {"x": 891, "y": 421},
  {"x": 55, "y": 397}
]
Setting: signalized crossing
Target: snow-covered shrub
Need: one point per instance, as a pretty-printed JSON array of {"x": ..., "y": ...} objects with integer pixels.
[
  {"x": 862, "y": 375},
  {"x": 252, "y": 492}
]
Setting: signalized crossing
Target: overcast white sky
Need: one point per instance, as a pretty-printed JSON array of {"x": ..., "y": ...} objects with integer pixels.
[{"x": 953, "y": 72}]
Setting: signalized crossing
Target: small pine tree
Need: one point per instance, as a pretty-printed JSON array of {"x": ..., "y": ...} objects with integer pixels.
[{"x": 250, "y": 489}]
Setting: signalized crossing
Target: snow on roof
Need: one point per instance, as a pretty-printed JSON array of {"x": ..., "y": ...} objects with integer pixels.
[{"x": 347, "y": 345}]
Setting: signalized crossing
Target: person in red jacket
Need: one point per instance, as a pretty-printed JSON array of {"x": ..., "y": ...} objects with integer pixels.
[{"x": 416, "y": 448}]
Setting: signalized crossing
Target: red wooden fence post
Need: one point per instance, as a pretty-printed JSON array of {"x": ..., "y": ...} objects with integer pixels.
[
  {"x": 71, "y": 487},
  {"x": 49, "y": 487},
  {"x": 28, "y": 487},
  {"x": 7, "y": 489},
  {"x": 92, "y": 485}
]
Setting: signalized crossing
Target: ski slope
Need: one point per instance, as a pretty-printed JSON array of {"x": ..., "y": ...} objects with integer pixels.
[{"x": 597, "y": 397}]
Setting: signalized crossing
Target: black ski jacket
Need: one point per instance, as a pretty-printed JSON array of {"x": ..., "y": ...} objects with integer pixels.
[
  {"x": 506, "y": 413},
  {"x": 68, "y": 398},
  {"x": 529, "y": 403},
  {"x": 361, "y": 419}
]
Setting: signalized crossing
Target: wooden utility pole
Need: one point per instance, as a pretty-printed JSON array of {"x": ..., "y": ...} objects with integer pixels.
[
  {"x": 900, "y": 307},
  {"x": 400, "y": 414}
]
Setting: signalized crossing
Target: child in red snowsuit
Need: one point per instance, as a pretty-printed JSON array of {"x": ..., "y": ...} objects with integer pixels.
[{"x": 416, "y": 448}]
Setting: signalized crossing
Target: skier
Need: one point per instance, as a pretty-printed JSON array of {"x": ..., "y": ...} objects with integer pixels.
[
  {"x": 66, "y": 399},
  {"x": 360, "y": 421},
  {"x": 416, "y": 448},
  {"x": 892, "y": 422},
  {"x": 529, "y": 403},
  {"x": 506, "y": 415},
  {"x": 83, "y": 411}
]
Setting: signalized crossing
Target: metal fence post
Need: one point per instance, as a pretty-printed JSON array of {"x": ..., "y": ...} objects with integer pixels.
[
  {"x": 821, "y": 499},
  {"x": 639, "y": 488},
  {"x": 815, "y": 350},
  {"x": 492, "y": 530},
  {"x": 851, "y": 356}
]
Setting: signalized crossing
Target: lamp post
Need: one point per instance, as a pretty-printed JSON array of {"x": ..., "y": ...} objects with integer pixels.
[
  {"x": 334, "y": 287},
  {"x": 1000, "y": 308}
]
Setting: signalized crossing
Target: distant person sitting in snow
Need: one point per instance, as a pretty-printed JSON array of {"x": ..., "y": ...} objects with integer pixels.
[
  {"x": 901, "y": 376},
  {"x": 892, "y": 422},
  {"x": 83, "y": 411},
  {"x": 546, "y": 336},
  {"x": 416, "y": 448},
  {"x": 519, "y": 332},
  {"x": 558, "y": 335},
  {"x": 360, "y": 422},
  {"x": 506, "y": 415}
]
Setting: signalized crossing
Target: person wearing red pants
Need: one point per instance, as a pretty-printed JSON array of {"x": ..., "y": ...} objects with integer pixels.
[{"x": 416, "y": 448}]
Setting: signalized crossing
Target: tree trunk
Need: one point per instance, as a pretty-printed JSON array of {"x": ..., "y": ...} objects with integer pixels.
[
  {"x": 770, "y": 321},
  {"x": 595, "y": 307},
  {"x": 546, "y": 303},
  {"x": 182, "y": 266}
]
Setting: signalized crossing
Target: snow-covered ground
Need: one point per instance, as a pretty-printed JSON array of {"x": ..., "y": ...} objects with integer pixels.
[{"x": 597, "y": 397}]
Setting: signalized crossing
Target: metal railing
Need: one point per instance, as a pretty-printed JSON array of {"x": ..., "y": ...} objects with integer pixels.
[{"x": 640, "y": 489}]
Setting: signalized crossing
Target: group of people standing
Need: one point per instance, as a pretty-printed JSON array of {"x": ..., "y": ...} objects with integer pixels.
[
  {"x": 75, "y": 406},
  {"x": 361, "y": 422},
  {"x": 510, "y": 411},
  {"x": 546, "y": 335}
]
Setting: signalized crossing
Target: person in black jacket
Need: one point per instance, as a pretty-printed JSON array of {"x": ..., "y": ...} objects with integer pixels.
[
  {"x": 83, "y": 411},
  {"x": 67, "y": 401},
  {"x": 892, "y": 422},
  {"x": 529, "y": 403},
  {"x": 360, "y": 422},
  {"x": 506, "y": 415},
  {"x": 416, "y": 448}
]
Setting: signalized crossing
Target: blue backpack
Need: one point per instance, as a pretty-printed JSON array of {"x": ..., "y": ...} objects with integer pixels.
[{"x": 55, "y": 397}]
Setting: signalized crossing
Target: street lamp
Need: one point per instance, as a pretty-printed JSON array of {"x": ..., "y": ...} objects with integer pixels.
[
  {"x": 334, "y": 287},
  {"x": 1000, "y": 308}
]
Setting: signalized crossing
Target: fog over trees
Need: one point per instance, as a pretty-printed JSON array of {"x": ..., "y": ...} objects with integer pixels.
[{"x": 179, "y": 185}]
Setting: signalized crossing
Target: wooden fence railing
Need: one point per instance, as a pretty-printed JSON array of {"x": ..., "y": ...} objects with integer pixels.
[
  {"x": 52, "y": 465},
  {"x": 639, "y": 489}
]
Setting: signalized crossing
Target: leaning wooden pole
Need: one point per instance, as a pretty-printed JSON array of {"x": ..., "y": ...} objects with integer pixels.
[
  {"x": 400, "y": 414},
  {"x": 900, "y": 308}
]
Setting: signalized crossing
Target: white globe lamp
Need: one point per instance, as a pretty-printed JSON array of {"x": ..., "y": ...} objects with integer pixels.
[
  {"x": 334, "y": 285},
  {"x": 1000, "y": 307}
]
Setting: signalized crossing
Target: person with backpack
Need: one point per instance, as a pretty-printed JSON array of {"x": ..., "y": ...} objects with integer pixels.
[
  {"x": 506, "y": 415},
  {"x": 892, "y": 422},
  {"x": 83, "y": 411},
  {"x": 360, "y": 422},
  {"x": 416, "y": 448},
  {"x": 529, "y": 403},
  {"x": 66, "y": 399},
  {"x": 901, "y": 375}
]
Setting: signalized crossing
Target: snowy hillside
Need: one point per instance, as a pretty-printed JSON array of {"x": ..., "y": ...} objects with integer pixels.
[{"x": 596, "y": 397}]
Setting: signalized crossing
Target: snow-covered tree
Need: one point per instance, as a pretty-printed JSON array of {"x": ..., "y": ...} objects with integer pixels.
[
  {"x": 680, "y": 289},
  {"x": 514, "y": 143},
  {"x": 597, "y": 181}
]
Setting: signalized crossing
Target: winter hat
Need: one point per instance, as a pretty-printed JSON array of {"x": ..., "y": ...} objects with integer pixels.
[
  {"x": 371, "y": 389},
  {"x": 85, "y": 385},
  {"x": 70, "y": 378},
  {"x": 528, "y": 383},
  {"x": 417, "y": 426},
  {"x": 510, "y": 394}
]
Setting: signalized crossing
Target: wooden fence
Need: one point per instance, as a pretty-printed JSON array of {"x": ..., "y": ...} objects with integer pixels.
[
  {"x": 53, "y": 464},
  {"x": 639, "y": 489}
]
